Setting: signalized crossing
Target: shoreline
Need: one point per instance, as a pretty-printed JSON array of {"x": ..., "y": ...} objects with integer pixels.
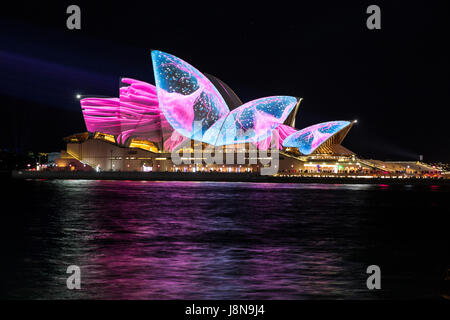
[{"x": 214, "y": 177}]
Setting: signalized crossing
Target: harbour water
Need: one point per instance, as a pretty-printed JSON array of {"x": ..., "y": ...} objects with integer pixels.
[{"x": 222, "y": 240}]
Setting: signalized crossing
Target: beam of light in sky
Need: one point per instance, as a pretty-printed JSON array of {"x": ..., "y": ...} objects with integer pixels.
[{"x": 51, "y": 83}]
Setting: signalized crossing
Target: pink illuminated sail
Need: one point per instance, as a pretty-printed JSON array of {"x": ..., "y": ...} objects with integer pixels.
[
  {"x": 252, "y": 122},
  {"x": 309, "y": 139},
  {"x": 281, "y": 133},
  {"x": 186, "y": 95},
  {"x": 102, "y": 115},
  {"x": 135, "y": 114},
  {"x": 184, "y": 105},
  {"x": 139, "y": 111}
]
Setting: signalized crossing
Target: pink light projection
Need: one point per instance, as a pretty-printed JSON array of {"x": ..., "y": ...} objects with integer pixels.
[
  {"x": 309, "y": 139},
  {"x": 186, "y": 95},
  {"x": 173, "y": 141},
  {"x": 165, "y": 114},
  {"x": 135, "y": 114},
  {"x": 139, "y": 111},
  {"x": 102, "y": 115},
  {"x": 283, "y": 131},
  {"x": 252, "y": 122}
]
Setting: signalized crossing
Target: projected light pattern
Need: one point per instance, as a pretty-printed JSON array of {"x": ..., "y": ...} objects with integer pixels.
[
  {"x": 309, "y": 139},
  {"x": 251, "y": 122},
  {"x": 135, "y": 114},
  {"x": 282, "y": 132},
  {"x": 102, "y": 115},
  {"x": 139, "y": 111},
  {"x": 183, "y": 105},
  {"x": 173, "y": 141},
  {"x": 186, "y": 95}
]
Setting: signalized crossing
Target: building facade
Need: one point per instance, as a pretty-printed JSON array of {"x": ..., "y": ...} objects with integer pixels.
[{"x": 189, "y": 119}]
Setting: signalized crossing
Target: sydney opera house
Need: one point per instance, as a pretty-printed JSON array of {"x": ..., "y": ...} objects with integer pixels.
[{"x": 186, "y": 111}]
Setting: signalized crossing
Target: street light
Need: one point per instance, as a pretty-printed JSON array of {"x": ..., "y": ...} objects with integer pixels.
[{"x": 78, "y": 96}]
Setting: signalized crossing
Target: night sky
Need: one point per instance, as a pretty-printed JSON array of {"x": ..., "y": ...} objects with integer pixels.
[{"x": 395, "y": 81}]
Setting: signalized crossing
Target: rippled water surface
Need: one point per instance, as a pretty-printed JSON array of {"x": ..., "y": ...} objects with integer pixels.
[{"x": 206, "y": 240}]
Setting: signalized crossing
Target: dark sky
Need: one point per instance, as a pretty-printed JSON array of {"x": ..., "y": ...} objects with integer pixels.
[{"x": 395, "y": 81}]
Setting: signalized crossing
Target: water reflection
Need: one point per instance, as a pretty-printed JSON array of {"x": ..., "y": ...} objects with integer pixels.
[{"x": 205, "y": 240}]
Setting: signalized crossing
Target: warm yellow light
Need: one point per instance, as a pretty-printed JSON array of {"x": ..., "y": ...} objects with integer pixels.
[
  {"x": 104, "y": 136},
  {"x": 143, "y": 144}
]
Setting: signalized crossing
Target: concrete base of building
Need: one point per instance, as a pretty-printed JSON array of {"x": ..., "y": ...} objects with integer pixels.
[{"x": 231, "y": 177}]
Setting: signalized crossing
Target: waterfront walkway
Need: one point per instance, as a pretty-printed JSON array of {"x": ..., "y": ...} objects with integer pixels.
[{"x": 232, "y": 177}]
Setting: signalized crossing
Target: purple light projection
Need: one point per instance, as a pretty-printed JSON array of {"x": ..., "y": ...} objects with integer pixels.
[{"x": 309, "y": 139}]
